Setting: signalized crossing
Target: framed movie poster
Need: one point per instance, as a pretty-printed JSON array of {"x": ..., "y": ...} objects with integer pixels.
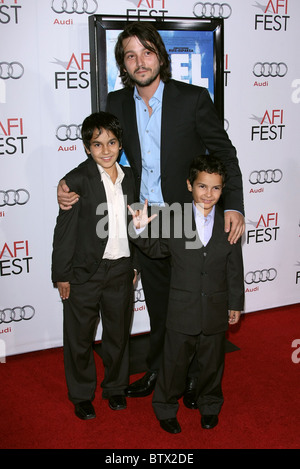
[{"x": 195, "y": 47}]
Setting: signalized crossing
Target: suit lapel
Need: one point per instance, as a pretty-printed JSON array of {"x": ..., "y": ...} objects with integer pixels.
[
  {"x": 131, "y": 130},
  {"x": 170, "y": 115},
  {"x": 96, "y": 182},
  {"x": 218, "y": 228}
]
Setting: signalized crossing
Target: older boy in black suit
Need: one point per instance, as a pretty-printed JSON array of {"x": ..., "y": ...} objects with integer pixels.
[
  {"x": 206, "y": 282},
  {"x": 93, "y": 267}
]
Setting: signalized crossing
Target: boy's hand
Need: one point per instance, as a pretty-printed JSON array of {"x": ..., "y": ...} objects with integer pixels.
[
  {"x": 140, "y": 217},
  {"x": 234, "y": 317},
  {"x": 64, "y": 290},
  {"x": 66, "y": 198},
  {"x": 234, "y": 225}
]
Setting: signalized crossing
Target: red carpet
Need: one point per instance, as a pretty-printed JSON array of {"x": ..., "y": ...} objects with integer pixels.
[{"x": 261, "y": 391}]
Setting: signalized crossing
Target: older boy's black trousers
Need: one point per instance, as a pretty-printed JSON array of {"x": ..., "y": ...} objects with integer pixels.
[{"x": 110, "y": 290}]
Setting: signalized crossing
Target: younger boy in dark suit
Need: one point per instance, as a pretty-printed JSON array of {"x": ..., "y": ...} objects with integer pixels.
[
  {"x": 206, "y": 283},
  {"x": 92, "y": 265}
]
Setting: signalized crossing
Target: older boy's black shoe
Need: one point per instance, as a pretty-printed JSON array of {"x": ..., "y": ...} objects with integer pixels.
[
  {"x": 170, "y": 425},
  {"x": 209, "y": 421},
  {"x": 142, "y": 387},
  {"x": 85, "y": 410},
  {"x": 189, "y": 397}
]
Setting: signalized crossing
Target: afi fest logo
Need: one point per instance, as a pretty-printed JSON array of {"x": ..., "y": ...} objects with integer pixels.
[
  {"x": 15, "y": 258},
  {"x": 9, "y": 11},
  {"x": 12, "y": 136},
  {"x": 149, "y": 8},
  {"x": 75, "y": 76},
  {"x": 270, "y": 126},
  {"x": 273, "y": 16},
  {"x": 266, "y": 229}
]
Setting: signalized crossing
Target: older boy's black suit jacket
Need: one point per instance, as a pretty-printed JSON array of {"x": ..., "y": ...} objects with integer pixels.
[
  {"x": 190, "y": 127},
  {"x": 205, "y": 282},
  {"x": 77, "y": 249}
]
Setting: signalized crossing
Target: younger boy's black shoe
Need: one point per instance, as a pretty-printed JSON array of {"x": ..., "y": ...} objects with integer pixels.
[
  {"x": 85, "y": 410},
  {"x": 170, "y": 425},
  {"x": 209, "y": 421}
]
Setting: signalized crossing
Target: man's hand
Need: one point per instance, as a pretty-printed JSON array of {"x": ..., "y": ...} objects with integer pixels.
[
  {"x": 66, "y": 198},
  {"x": 64, "y": 290},
  {"x": 234, "y": 225}
]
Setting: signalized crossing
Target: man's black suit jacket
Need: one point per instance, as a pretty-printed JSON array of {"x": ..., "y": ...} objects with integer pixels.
[
  {"x": 190, "y": 127},
  {"x": 77, "y": 249},
  {"x": 206, "y": 281}
]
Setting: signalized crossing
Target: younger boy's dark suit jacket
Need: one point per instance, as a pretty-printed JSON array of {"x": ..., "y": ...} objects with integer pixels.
[
  {"x": 205, "y": 282},
  {"x": 77, "y": 249}
]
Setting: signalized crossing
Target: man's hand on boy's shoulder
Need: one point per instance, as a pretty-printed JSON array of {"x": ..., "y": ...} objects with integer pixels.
[
  {"x": 234, "y": 225},
  {"x": 65, "y": 198}
]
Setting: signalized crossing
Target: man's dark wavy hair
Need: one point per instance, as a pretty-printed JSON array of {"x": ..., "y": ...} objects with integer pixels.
[{"x": 148, "y": 35}]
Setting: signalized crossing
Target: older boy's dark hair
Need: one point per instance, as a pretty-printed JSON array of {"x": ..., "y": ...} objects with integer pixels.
[
  {"x": 148, "y": 35},
  {"x": 100, "y": 120},
  {"x": 207, "y": 163}
]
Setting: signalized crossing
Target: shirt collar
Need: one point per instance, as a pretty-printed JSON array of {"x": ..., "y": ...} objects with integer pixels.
[
  {"x": 105, "y": 174},
  {"x": 201, "y": 216},
  {"x": 157, "y": 95}
]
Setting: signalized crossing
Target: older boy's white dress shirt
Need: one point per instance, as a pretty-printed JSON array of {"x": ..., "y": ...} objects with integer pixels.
[{"x": 117, "y": 245}]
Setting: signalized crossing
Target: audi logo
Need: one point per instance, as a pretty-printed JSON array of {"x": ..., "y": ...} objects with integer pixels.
[
  {"x": 74, "y": 6},
  {"x": 265, "y": 275},
  {"x": 17, "y": 314},
  {"x": 139, "y": 295},
  {"x": 212, "y": 10},
  {"x": 270, "y": 69},
  {"x": 13, "y": 70},
  {"x": 68, "y": 132},
  {"x": 265, "y": 176},
  {"x": 14, "y": 197}
]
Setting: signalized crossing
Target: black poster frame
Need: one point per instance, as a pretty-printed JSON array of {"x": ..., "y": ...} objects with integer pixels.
[{"x": 98, "y": 26}]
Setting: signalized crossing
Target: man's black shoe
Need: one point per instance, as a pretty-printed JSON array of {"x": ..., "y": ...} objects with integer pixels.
[
  {"x": 117, "y": 402},
  {"x": 209, "y": 421},
  {"x": 85, "y": 410},
  {"x": 144, "y": 386},
  {"x": 189, "y": 397},
  {"x": 170, "y": 425}
]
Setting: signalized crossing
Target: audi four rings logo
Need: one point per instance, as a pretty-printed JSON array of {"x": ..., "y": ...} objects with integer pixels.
[
  {"x": 212, "y": 10},
  {"x": 74, "y": 6},
  {"x": 17, "y": 314},
  {"x": 265, "y": 275},
  {"x": 270, "y": 69},
  {"x": 265, "y": 176},
  {"x": 13, "y": 70},
  {"x": 68, "y": 132},
  {"x": 139, "y": 295},
  {"x": 14, "y": 197}
]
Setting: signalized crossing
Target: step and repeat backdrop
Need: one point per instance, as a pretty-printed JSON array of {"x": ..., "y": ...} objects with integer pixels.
[{"x": 45, "y": 93}]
